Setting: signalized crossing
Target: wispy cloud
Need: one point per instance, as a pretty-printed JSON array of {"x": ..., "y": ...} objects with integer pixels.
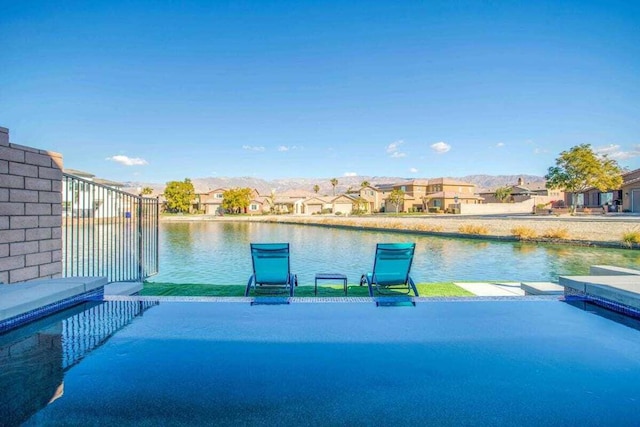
[
  {"x": 500, "y": 144},
  {"x": 440, "y": 147},
  {"x": 615, "y": 151},
  {"x": 393, "y": 149},
  {"x": 413, "y": 170},
  {"x": 128, "y": 161},
  {"x": 253, "y": 148},
  {"x": 350, "y": 174},
  {"x": 539, "y": 150},
  {"x": 287, "y": 147}
]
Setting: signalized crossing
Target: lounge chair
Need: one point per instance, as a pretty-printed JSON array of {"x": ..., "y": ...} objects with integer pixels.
[
  {"x": 271, "y": 268},
  {"x": 391, "y": 269}
]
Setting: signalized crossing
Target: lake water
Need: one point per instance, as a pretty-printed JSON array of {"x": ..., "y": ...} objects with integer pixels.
[{"x": 218, "y": 253}]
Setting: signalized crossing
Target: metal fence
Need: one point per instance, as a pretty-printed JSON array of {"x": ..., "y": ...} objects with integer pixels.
[{"x": 107, "y": 232}]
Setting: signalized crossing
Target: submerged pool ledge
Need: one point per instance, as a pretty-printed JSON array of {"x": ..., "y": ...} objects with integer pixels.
[{"x": 21, "y": 303}]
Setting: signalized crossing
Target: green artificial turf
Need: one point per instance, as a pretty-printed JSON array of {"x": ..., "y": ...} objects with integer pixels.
[{"x": 172, "y": 289}]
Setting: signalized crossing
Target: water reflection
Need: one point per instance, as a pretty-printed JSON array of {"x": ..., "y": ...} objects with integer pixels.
[
  {"x": 218, "y": 253},
  {"x": 34, "y": 358}
]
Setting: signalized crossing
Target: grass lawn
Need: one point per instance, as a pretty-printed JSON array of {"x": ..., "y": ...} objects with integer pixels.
[{"x": 172, "y": 289}]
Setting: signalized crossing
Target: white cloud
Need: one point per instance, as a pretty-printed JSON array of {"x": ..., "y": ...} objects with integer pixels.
[
  {"x": 128, "y": 161},
  {"x": 440, "y": 147},
  {"x": 500, "y": 144},
  {"x": 413, "y": 170},
  {"x": 540, "y": 151},
  {"x": 253, "y": 148},
  {"x": 614, "y": 151},
  {"x": 287, "y": 147},
  {"x": 394, "y": 149},
  {"x": 350, "y": 174}
]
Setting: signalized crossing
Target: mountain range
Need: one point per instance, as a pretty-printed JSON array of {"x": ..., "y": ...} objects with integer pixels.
[{"x": 202, "y": 185}]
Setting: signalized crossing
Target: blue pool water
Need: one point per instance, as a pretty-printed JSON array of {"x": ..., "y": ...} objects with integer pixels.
[
  {"x": 526, "y": 362},
  {"x": 218, "y": 253}
]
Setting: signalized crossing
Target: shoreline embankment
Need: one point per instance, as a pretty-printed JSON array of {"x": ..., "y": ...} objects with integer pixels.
[{"x": 586, "y": 230}]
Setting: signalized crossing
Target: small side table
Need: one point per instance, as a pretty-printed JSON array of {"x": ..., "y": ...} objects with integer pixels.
[{"x": 331, "y": 276}]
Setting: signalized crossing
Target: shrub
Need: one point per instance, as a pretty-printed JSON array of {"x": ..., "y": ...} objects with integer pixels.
[
  {"x": 338, "y": 213},
  {"x": 473, "y": 229},
  {"x": 556, "y": 233},
  {"x": 524, "y": 233},
  {"x": 630, "y": 237}
]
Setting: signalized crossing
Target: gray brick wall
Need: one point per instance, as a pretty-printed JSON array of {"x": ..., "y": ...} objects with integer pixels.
[{"x": 30, "y": 215}]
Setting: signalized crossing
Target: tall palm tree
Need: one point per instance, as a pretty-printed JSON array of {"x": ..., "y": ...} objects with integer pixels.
[
  {"x": 365, "y": 184},
  {"x": 316, "y": 188},
  {"x": 334, "y": 182}
]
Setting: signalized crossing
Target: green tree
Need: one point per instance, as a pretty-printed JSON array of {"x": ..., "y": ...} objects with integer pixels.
[
  {"x": 147, "y": 190},
  {"x": 396, "y": 197},
  {"x": 316, "y": 188},
  {"x": 179, "y": 195},
  {"x": 503, "y": 194},
  {"x": 365, "y": 184},
  {"x": 579, "y": 169},
  {"x": 334, "y": 182},
  {"x": 236, "y": 200}
]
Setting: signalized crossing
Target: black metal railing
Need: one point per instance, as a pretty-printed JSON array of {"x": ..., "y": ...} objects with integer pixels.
[{"x": 107, "y": 232}]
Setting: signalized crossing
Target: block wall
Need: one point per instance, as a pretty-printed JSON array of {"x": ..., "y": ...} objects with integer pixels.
[{"x": 30, "y": 212}]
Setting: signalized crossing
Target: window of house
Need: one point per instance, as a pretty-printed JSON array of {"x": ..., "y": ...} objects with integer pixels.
[
  {"x": 253, "y": 207},
  {"x": 606, "y": 198},
  {"x": 403, "y": 188},
  {"x": 218, "y": 196},
  {"x": 437, "y": 203}
]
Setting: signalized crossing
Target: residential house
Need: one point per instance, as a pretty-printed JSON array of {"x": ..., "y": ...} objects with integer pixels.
[
  {"x": 344, "y": 204},
  {"x": 445, "y": 193},
  {"x": 291, "y": 201},
  {"x": 210, "y": 202},
  {"x": 316, "y": 205},
  {"x": 525, "y": 191},
  {"x": 85, "y": 200},
  {"x": 626, "y": 198},
  {"x": 431, "y": 195}
]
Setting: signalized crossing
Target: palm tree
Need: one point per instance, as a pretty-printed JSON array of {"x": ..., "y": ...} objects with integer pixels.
[
  {"x": 334, "y": 182},
  {"x": 316, "y": 188},
  {"x": 365, "y": 184},
  {"x": 147, "y": 190}
]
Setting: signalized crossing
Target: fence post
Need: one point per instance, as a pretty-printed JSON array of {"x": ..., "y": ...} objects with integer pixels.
[{"x": 140, "y": 258}]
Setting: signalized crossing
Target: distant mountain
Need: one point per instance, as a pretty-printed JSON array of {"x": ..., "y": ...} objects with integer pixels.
[
  {"x": 490, "y": 182},
  {"x": 263, "y": 186}
]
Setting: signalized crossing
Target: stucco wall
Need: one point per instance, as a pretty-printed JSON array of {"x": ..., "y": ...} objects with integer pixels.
[
  {"x": 525, "y": 206},
  {"x": 30, "y": 212}
]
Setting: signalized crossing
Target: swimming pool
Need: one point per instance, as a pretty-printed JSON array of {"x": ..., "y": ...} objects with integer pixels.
[
  {"x": 535, "y": 361},
  {"x": 218, "y": 253}
]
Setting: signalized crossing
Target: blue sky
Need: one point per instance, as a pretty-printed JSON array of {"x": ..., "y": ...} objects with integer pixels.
[{"x": 155, "y": 91}]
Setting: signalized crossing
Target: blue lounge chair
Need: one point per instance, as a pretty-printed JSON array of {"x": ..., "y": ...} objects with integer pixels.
[
  {"x": 391, "y": 269},
  {"x": 271, "y": 268}
]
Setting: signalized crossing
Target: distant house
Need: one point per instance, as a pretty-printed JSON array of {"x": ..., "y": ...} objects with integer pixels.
[
  {"x": 626, "y": 198},
  {"x": 210, "y": 202},
  {"x": 316, "y": 205},
  {"x": 524, "y": 191},
  {"x": 433, "y": 194},
  {"x": 84, "y": 200}
]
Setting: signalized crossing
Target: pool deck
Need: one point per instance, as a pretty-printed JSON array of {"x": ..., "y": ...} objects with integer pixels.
[
  {"x": 607, "y": 284},
  {"x": 27, "y": 300},
  {"x": 21, "y": 302}
]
